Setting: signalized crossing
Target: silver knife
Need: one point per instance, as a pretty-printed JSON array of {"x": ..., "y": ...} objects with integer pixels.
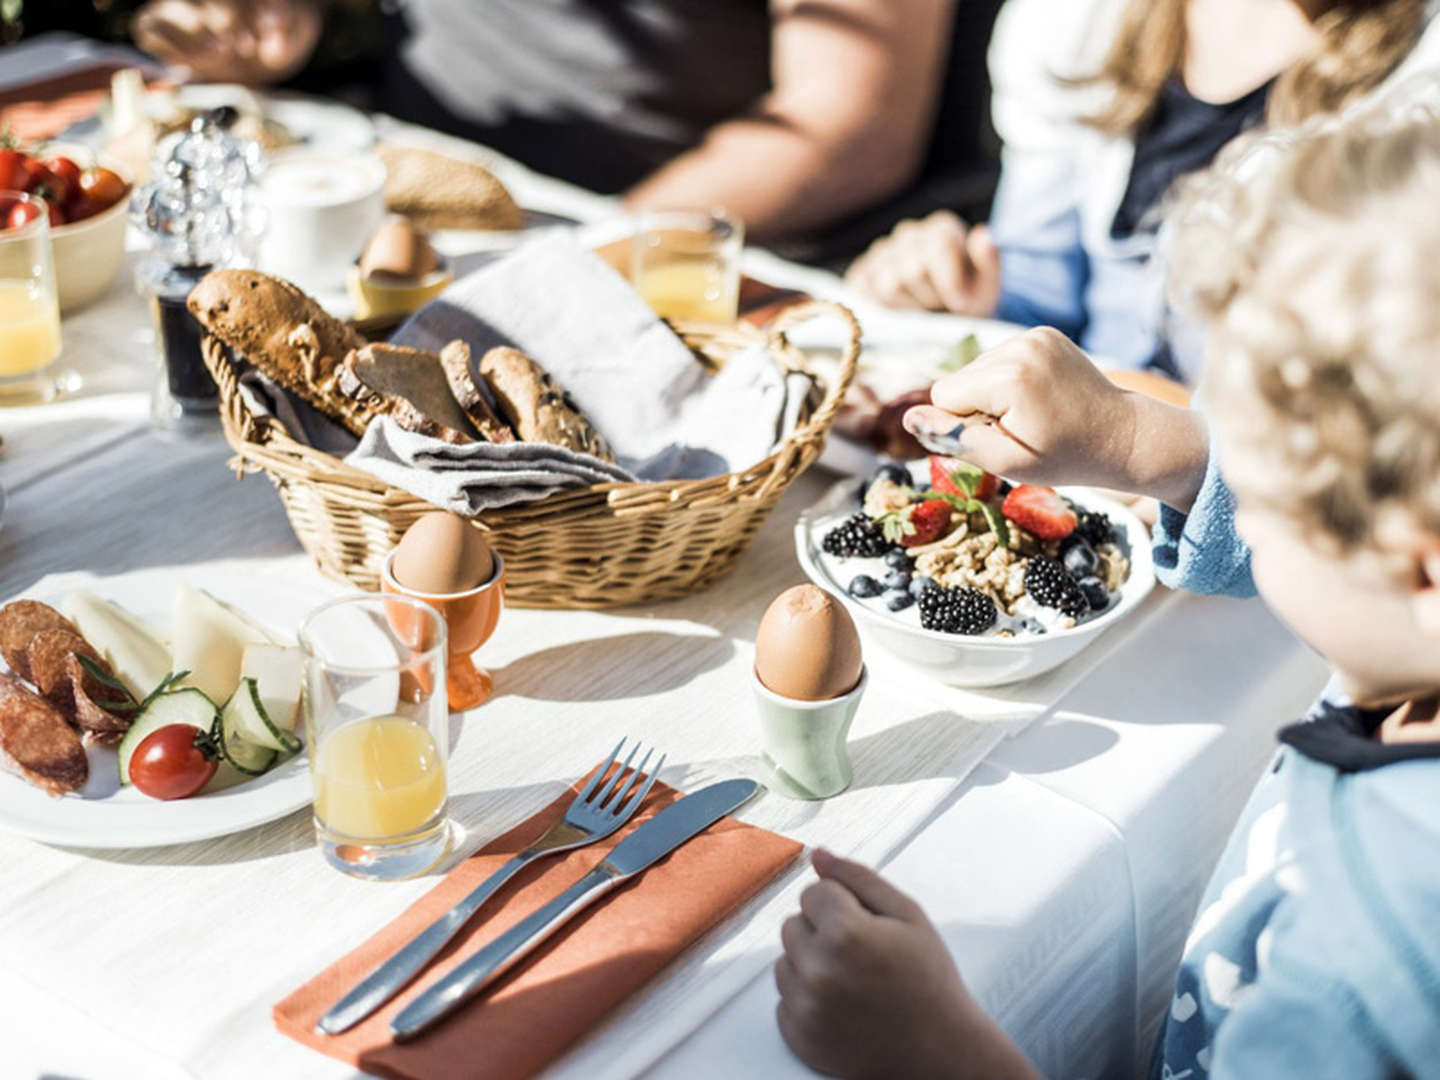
[{"x": 669, "y": 829}]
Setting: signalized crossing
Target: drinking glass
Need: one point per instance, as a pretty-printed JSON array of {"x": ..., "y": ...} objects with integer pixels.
[
  {"x": 29, "y": 310},
  {"x": 686, "y": 264},
  {"x": 377, "y": 725}
]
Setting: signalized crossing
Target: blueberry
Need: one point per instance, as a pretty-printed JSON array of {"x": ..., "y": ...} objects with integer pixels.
[
  {"x": 1095, "y": 592},
  {"x": 898, "y": 599},
  {"x": 1032, "y": 626},
  {"x": 864, "y": 586},
  {"x": 919, "y": 584},
  {"x": 897, "y": 579},
  {"x": 1003, "y": 489},
  {"x": 897, "y": 558},
  {"x": 1079, "y": 558},
  {"x": 896, "y": 474}
]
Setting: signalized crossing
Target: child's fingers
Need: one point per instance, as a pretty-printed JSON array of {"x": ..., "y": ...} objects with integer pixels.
[
  {"x": 829, "y": 904},
  {"x": 797, "y": 934},
  {"x": 981, "y": 387},
  {"x": 983, "y": 443},
  {"x": 873, "y": 891}
]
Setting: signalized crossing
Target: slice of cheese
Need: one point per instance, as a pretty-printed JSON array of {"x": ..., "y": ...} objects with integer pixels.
[
  {"x": 278, "y": 672},
  {"x": 208, "y": 639},
  {"x": 136, "y": 656}
]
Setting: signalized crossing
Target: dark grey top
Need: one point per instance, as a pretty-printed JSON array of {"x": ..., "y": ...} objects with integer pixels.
[{"x": 601, "y": 92}]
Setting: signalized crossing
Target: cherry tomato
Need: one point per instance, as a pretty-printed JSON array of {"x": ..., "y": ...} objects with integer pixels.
[
  {"x": 57, "y": 216},
  {"x": 15, "y": 169},
  {"x": 172, "y": 762},
  {"x": 82, "y": 207},
  {"x": 102, "y": 186},
  {"x": 61, "y": 180},
  {"x": 20, "y": 214}
]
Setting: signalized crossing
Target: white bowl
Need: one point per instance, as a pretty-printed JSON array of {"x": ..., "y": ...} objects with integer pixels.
[
  {"x": 956, "y": 659},
  {"x": 88, "y": 254}
]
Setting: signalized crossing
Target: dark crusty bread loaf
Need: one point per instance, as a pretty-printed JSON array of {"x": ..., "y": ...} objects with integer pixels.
[
  {"x": 537, "y": 406},
  {"x": 285, "y": 334}
]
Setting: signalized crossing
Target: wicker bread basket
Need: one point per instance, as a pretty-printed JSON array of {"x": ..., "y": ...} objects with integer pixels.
[{"x": 596, "y": 547}]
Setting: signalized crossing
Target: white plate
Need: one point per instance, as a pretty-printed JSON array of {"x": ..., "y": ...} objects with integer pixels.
[
  {"x": 104, "y": 815},
  {"x": 957, "y": 659},
  {"x": 318, "y": 124}
]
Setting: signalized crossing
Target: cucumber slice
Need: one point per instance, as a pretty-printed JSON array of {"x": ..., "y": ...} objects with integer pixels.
[
  {"x": 247, "y": 713},
  {"x": 238, "y": 750},
  {"x": 188, "y": 706}
]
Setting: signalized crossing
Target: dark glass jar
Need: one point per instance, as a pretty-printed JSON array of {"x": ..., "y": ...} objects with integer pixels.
[{"x": 177, "y": 335}]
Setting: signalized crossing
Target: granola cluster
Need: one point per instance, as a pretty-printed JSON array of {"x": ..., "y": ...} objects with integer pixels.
[{"x": 971, "y": 556}]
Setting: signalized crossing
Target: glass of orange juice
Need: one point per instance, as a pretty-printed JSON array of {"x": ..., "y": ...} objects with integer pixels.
[
  {"x": 377, "y": 728},
  {"x": 686, "y": 264},
  {"x": 29, "y": 312}
]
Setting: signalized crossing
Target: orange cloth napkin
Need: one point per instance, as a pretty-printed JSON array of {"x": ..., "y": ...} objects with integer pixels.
[{"x": 560, "y": 991}]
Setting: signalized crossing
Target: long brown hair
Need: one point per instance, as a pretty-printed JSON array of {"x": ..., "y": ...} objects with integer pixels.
[{"x": 1361, "y": 42}]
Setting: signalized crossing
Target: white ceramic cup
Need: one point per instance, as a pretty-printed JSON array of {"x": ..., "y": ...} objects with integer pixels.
[
  {"x": 804, "y": 753},
  {"x": 320, "y": 210}
]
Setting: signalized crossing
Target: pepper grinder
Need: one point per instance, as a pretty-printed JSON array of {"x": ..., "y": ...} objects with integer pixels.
[{"x": 198, "y": 213}]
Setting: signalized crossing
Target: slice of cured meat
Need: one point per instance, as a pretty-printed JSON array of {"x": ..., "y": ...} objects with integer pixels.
[
  {"x": 36, "y": 743},
  {"x": 93, "y": 703},
  {"x": 20, "y": 622},
  {"x": 47, "y": 658}
]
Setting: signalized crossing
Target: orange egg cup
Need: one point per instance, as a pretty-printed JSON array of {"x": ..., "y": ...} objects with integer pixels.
[{"x": 470, "y": 620}]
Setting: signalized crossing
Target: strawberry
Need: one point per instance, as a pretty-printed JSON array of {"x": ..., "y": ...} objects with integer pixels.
[
  {"x": 1041, "y": 511},
  {"x": 929, "y": 521},
  {"x": 951, "y": 476}
]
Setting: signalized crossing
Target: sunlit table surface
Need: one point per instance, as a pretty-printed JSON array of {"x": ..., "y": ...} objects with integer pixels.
[{"x": 1063, "y": 870}]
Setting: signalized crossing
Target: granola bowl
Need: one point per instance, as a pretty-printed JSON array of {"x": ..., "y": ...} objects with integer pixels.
[{"x": 1004, "y": 636}]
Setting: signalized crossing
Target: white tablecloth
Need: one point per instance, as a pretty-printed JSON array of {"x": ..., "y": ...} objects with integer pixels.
[{"x": 1063, "y": 871}]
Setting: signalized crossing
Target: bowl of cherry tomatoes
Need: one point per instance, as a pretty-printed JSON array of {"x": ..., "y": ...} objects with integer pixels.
[{"x": 87, "y": 207}]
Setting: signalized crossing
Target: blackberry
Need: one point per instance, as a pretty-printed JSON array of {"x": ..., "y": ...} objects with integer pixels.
[
  {"x": 897, "y": 599},
  {"x": 856, "y": 535},
  {"x": 864, "y": 586},
  {"x": 956, "y": 611},
  {"x": 1079, "y": 557},
  {"x": 1051, "y": 586},
  {"x": 1094, "y": 527}
]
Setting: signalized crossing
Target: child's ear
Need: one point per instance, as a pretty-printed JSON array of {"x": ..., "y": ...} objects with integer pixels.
[
  {"x": 1427, "y": 598},
  {"x": 1400, "y": 533}
]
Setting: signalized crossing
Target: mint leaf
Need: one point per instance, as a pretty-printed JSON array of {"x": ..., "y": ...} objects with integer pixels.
[
  {"x": 896, "y": 525},
  {"x": 961, "y": 353},
  {"x": 967, "y": 477},
  {"x": 996, "y": 521}
]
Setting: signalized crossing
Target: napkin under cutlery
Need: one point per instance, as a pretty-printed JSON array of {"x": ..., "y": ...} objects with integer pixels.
[{"x": 535, "y": 1012}]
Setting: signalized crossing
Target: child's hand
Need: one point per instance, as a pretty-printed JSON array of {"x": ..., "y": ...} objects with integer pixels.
[
  {"x": 1040, "y": 412},
  {"x": 934, "y": 263},
  {"x": 867, "y": 987}
]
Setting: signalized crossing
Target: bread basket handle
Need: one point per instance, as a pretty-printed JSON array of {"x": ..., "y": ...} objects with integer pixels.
[{"x": 787, "y": 320}]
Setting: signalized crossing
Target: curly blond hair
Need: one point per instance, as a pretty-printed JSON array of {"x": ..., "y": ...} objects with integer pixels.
[{"x": 1313, "y": 258}]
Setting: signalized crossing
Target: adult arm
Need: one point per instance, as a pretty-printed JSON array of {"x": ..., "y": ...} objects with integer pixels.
[
  {"x": 254, "y": 42},
  {"x": 845, "y": 124}
]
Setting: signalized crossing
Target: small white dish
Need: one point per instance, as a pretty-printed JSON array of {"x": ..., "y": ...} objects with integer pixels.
[
  {"x": 957, "y": 659},
  {"x": 105, "y": 815}
]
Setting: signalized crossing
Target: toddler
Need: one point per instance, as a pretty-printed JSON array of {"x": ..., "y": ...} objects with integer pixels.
[{"x": 1311, "y": 261}]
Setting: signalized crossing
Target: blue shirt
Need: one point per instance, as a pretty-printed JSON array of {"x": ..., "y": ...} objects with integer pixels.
[{"x": 1316, "y": 948}]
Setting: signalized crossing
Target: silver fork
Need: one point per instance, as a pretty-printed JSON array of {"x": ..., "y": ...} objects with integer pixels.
[{"x": 592, "y": 816}]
